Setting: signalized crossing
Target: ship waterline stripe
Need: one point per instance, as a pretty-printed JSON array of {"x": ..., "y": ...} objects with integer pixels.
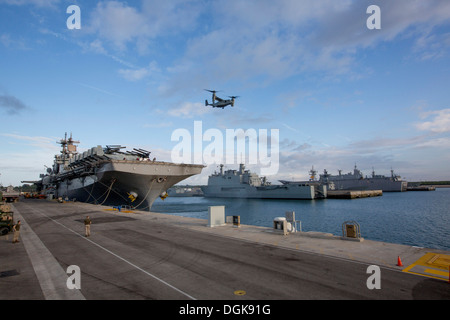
[{"x": 119, "y": 257}]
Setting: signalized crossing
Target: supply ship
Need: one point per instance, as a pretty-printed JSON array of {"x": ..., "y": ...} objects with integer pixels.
[
  {"x": 111, "y": 176},
  {"x": 244, "y": 184}
]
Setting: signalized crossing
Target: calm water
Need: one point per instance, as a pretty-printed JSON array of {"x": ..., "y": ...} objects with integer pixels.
[{"x": 420, "y": 218}]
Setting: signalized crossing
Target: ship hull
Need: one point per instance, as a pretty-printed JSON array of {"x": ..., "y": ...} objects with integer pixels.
[
  {"x": 299, "y": 192},
  {"x": 133, "y": 183},
  {"x": 386, "y": 185}
]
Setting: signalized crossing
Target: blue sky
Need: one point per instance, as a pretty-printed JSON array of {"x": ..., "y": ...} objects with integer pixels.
[{"x": 338, "y": 92}]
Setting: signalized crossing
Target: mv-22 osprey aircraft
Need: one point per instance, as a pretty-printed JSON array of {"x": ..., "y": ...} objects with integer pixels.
[{"x": 221, "y": 103}]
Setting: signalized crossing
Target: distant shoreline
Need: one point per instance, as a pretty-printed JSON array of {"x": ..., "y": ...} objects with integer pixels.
[{"x": 436, "y": 184}]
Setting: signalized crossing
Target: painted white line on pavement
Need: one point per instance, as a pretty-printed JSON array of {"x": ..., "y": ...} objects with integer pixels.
[
  {"x": 117, "y": 256},
  {"x": 51, "y": 276}
]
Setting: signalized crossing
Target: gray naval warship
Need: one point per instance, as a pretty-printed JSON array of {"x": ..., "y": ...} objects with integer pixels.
[
  {"x": 110, "y": 176},
  {"x": 357, "y": 181},
  {"x": 244, "y": 184}
]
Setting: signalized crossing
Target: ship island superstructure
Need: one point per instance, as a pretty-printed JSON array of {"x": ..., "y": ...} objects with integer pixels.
[
  {"x": 111, "y": 176},
  {"x": 245, "y": 184}
]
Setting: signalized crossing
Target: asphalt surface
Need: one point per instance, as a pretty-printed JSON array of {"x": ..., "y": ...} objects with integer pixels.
[{"x": 143, "y": 256}]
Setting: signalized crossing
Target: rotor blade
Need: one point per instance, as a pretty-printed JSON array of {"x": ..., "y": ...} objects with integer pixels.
[{"x": 213, "y": 91}]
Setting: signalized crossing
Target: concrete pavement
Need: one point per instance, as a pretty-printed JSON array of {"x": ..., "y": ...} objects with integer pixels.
[{"x": 144, "y": 255}]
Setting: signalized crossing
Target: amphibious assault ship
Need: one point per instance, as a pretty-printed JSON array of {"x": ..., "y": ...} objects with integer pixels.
[
  {"x": 244, "y": 184},
  {"x": 110, "y": 176},
  {"x": 356, "y": 181}
]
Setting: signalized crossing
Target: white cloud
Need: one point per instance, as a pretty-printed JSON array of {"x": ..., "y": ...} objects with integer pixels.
[
  {"x": 266, "y": 41},
  {"x": 121, "y": 24},
  {"x": 24, "y": 157},
  {"x": 35, "y": 141},
  {"x": 97, "y": 47},
  {"x": 12, "y": 42},
  {"x": 158, "y": 125},
  {"x": 187, "y": 110},
  {"x": 432, "y": 46},
  {"x": 259, "y": 41},
  {"x": 139, "y": 74},
  {"x": 437, "y": 121},
  {"x": 37, "y": 3},
  {"x": 118, "y": 23},
  {"x": 134, "y": 75}
]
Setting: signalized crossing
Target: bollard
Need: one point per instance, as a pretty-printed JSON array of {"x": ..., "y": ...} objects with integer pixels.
[{"x": 236, "y": 221}]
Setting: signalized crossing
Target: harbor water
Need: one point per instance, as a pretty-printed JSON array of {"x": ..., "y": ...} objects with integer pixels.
[{"x": 417, "y": 218}]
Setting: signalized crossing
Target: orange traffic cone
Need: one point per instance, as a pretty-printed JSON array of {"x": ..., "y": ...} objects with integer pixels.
[{"x": 399, "y": 262}]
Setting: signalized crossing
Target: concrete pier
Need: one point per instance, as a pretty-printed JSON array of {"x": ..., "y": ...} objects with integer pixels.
[
  {"x": 353, "y": 194},
  {"x": 142, "y": 255}
]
